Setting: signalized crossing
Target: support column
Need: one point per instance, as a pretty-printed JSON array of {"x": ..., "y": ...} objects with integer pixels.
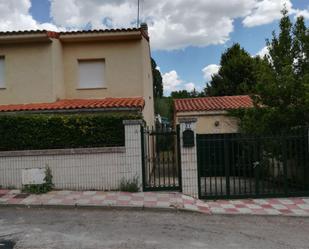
[
  {"x": 133, "y": 156},
  {"x": 189, "y": 169}
]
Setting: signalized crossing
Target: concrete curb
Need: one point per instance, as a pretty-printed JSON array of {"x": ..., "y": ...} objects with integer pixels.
[
  {"x": 111, "y": 207},
  {"x": 138, "y": 208}
]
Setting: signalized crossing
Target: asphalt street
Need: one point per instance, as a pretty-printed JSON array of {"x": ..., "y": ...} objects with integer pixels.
[{"x": 33, "y": 228}]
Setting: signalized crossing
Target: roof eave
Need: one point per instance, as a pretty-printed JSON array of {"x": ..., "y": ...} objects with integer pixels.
[
  {"x": 24, "y": 38},
  {"x": 96, "y": 36},
  {"x": 81, "y": 110}
]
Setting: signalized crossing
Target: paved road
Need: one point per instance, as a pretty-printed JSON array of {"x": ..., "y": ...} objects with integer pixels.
[{"x": 127, "y": 229}]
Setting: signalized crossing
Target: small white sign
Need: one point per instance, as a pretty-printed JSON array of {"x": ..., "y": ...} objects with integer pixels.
[{"x": 33, "y": 176}]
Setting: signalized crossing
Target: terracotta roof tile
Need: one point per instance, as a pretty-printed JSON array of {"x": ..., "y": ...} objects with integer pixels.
[
  {"x": 54, "y": 34},
  {"x": 70, "y": 104},
  {"x": 213, "y": 103}
]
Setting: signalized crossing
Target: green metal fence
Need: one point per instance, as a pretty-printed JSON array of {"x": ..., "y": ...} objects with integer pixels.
[
  {"x": 161, "y": 159},
  {"x": 242, "y": 166}
]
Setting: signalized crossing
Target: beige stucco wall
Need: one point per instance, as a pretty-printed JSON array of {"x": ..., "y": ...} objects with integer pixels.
[
  {"x": 47, "y": 71},
  {"x": 57, "y": 70},
  {"x": 148, "y": 111},
  {"x": 123, "y": 73},
  {"x": 28, "y": 74},
  {"x": 206, "y": 122}
]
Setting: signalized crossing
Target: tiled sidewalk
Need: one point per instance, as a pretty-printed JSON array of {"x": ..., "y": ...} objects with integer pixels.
[{"x": 167, "y": 200}]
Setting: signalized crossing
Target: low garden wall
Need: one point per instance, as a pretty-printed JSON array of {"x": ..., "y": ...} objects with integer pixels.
[{"x": 79, "y": 169}]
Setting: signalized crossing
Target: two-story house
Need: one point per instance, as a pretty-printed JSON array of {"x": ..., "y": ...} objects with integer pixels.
[{"x": 79, "y": 70}]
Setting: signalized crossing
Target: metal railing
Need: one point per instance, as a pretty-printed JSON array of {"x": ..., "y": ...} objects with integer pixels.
[
  {"x": 242, "y": 166},
  {"x": 160, "y": 158}
]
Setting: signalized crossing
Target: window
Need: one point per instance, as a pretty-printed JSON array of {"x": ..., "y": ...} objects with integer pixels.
[
  {"x": 2, "y": 78},
  {"x": 91, "y": 74}
]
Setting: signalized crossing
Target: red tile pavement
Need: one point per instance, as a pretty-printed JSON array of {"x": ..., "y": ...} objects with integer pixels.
[{"x": 171, "y": 200}]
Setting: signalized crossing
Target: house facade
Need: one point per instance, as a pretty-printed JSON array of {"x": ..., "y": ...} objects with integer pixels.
[
  {"x": 50, "y": 69},
  {"x": 211, "y": 113}
]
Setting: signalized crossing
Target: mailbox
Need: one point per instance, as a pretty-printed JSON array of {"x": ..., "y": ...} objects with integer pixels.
[{"x": 188, "y": 138}]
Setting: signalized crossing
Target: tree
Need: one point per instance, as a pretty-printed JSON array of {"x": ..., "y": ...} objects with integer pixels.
[
  {"x": 282, "y": 100},
  {"x": 183, "y": 94},
  {"x": 157, "y": 80},
  {"x": 237, "y": 74}
]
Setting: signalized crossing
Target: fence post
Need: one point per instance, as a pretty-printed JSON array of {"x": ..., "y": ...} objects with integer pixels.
[
  {"x": 133, "y": 156},
  {"x": 189, "y": 168}
]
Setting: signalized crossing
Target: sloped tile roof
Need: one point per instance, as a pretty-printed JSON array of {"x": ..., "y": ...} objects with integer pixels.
[
  {"x": 213, "y": 103},
  {"x": 70, "y": 104},
  {"x": 55, "y": 34}
]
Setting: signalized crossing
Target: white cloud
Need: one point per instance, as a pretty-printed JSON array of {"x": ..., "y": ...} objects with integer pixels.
[
  {"x": 264, "y": 51},
  {"x": 190, "y": 86},
  {"x": 15, "y": 15},
  {"x": 266, "y": 11},
  {"x": 209, "y": 71},
  {"x": 304, "y": 13},
  {"x": 172, "y": 82},
  {"x": 172, "y": 24}
]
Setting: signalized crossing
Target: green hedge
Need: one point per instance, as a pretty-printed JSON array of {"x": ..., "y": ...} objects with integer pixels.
[{"x": 53, "y": 131}]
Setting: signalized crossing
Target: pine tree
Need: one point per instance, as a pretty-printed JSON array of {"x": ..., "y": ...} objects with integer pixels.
[
  {"x": 237, "y": 74},
  {"x": 282, "y": 89}
]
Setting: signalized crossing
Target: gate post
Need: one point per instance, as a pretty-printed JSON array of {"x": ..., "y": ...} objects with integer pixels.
[
  {"x": 133, "y": 145},
  {"x": 189, "y": 169}
]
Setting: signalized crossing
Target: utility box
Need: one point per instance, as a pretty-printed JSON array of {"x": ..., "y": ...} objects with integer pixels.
[
  {"x": 188, "y": 138},
  {"x": 33, "y": 176}
]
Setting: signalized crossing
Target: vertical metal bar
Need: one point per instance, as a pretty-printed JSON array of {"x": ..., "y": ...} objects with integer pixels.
[
  {"x": 261, "y": 165},
  {"x": 284, "y": 157},
  {"x": 233, "y": 166},
  {"x": 175, "y": 159},
  {"x": 211, "y": 142},
  {"x": 154, "y": 157},
  {"x": 227, "y": 165},
  {"x": 303, "y": 158},
  {"x": 250, "y": 162},
  {"x": 149, "y": 158},
  {"x": 293, "y": 157},
  {"x": 168, "y": 160},
  {"x": 205, "y": 149},
  {"x": 215, "y": 165},
  {"x": 273, "y": 165},
  {"x": 143, "y": 156},
  {"x": 278, "y": 162},
  {"x": 306, "y": 161},
  {"x": 199, "y": 151},
  {"x": 239, "y": 167},
  {"x": 167, "y": 144},
  {"x": 257, "y": 166},
  {"x": 179, "y": 156},
  {"x": 243, "y": 163},
  {"x": 221, "y": 160}
]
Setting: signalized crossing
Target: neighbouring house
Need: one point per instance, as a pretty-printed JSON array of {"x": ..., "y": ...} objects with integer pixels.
[
  {"x": 211, "y": 113},
  {"x": 96, "y": 70}
]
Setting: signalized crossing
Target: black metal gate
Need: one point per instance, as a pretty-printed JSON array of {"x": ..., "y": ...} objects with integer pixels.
[
  {"x": 161, "y": 159},
  {"x": 239, "y": 166}
]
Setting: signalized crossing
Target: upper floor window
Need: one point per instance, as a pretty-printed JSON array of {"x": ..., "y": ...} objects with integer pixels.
[
  {"x": 2, "y": 78},
  {"x": 91, "y": 74}
]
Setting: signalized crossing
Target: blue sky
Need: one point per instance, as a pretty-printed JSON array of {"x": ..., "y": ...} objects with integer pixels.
[{"x": 186, "y": 35}]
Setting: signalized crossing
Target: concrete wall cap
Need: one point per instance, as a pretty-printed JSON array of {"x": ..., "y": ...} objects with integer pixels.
[
  {"x": 133, "y": 122},
  {"x": 52, "y": 152}
]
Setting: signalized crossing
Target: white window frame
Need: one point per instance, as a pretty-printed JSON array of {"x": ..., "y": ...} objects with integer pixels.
[
  {"x": 2, "y": 72},
  {"x": 96, "y": 81}
]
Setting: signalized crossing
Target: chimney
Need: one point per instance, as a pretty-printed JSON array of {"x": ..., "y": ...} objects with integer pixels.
[{"x": 144, "y": 27}]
